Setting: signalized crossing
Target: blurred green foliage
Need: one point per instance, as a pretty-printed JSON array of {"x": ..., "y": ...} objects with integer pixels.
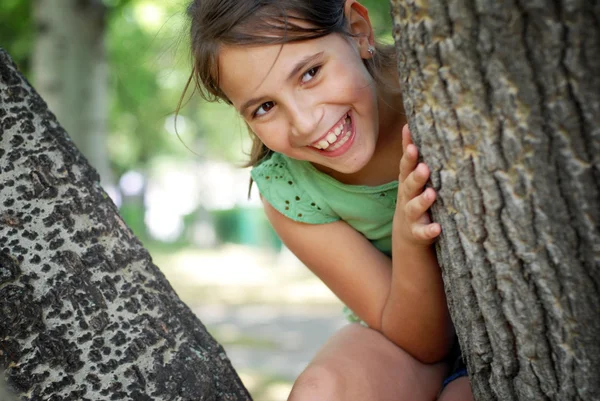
[
  {"x": 150, "y": 65},
  {"x": 17, "y": 31},
  {"x": 245, "y": 226},
  {"x": 381, "y": 19},
  {"x": 138, "y": 104}
]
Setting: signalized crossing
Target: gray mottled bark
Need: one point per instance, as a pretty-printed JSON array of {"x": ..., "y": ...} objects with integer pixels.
[
  {"x": 84, "y": 314},
  {"x": 504, "y": 100}
]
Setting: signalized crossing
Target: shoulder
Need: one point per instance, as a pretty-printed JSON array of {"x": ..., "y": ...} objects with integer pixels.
[{"x": 283, "y": 183}]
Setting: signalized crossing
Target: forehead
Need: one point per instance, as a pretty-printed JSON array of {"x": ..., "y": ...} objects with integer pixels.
[{"x": 237, "y": 61}]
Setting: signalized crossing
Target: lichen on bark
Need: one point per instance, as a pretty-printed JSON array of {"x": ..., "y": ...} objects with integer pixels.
[{"x": 84, "y": 313}]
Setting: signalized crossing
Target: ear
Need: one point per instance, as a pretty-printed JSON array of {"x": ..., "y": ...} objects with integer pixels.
[{"x": 359, "y": 23}]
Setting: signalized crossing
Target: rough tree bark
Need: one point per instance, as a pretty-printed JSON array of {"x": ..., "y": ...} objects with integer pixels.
[
  {"x": 84, "y": 314},
  {"x": 503, "y": 98}
]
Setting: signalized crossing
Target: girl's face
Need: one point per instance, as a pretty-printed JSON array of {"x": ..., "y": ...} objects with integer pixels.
[{"x": 312, "y": 100}]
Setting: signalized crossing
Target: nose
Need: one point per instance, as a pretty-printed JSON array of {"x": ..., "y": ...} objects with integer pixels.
[{"x": 304, "y": 119}]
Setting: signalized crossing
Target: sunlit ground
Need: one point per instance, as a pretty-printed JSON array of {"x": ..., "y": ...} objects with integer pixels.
[{"x": 268, "y": 311}]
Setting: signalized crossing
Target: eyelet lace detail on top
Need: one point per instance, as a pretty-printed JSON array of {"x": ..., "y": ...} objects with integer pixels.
[
  {"x": 279, "y": 187},
  {"x": 387, "y": 199}
]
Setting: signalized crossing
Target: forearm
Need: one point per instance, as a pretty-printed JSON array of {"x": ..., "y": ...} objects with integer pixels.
[{"x": 415, "y": 315}]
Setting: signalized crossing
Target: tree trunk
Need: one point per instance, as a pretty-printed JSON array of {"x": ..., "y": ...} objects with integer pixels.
[
  {"x": 84, "y": 314},
  {"x": 503, "y": 98},
  {"x": 70, "y": 72}
]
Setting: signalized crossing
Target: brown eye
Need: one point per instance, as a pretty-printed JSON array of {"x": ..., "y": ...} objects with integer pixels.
[
  {"x": 263, "y": 109},
  {"x": 310, "y": 74}
]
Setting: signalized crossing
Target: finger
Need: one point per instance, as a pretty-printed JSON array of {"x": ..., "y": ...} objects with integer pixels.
[
  {"x": 426, "y": 232},
  {"x": 415, "y": 181},
  {"x": 416, "y": 209},
  {"x": 406, "y": 138},
  {"x": 409, "y": 160}
]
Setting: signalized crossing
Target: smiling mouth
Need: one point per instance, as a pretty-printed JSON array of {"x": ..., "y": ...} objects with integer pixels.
[{"x": 336, "y": 137}]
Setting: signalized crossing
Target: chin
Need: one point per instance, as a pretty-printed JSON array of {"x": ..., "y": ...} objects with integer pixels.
[
  {"x": 351, "y": 167},
  {"x": 359, "y": 162}
]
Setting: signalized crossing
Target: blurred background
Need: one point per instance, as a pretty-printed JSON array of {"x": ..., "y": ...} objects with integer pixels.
[{"x": 113, "y": 72}]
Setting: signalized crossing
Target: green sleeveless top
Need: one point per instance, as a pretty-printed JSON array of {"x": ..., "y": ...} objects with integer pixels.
[{"x": 302, "y": 193}]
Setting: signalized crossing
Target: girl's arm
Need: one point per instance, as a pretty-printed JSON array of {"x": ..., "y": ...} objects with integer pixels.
[
  {"x": 416, "y": 277},
  {"x": 405, "y": 302},
  {"x": 361, "y": 277}
]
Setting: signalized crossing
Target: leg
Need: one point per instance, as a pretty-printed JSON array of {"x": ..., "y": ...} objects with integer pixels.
[
  {"x": 457, "y": 390},
  {"x": 358, "y": 363}
]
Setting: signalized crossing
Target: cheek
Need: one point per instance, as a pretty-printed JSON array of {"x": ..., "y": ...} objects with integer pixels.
[
  {"x": 365, "y": 93},
  {"x": 272, "y": 135},
  {"x": 360, "y": 86}
]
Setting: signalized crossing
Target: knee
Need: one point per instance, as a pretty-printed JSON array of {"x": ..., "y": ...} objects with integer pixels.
[{"x": 318, "y": 383}]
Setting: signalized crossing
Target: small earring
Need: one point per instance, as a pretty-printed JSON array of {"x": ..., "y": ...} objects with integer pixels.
[{"x": 371, "y": 50}]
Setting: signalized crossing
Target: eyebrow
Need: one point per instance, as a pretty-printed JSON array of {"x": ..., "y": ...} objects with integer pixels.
[{"x": 300, "y": 65}]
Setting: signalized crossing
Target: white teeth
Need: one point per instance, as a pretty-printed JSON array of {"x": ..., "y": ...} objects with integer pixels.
[
  {"x": 341, "y": 142},
  {"x": 333, "y": 136}
]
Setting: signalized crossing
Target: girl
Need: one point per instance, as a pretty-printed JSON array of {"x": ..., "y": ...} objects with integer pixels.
[{"x": 324, "y": 108}]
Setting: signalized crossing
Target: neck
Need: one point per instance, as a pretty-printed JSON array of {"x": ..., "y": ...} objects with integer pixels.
[
  {"x": 391, "y": 116},
  {"x": 384, "y": 165},
  {"x": 391, "y": 106},
  {"x": 385, "y": 162}
]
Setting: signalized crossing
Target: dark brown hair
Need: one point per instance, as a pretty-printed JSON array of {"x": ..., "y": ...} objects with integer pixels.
[{"x": 260, "y": 22}]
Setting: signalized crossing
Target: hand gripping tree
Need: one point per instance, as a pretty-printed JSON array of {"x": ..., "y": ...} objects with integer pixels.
[
  {"x": 84, "y": 314},
  {"x": 503, "y": 98}
]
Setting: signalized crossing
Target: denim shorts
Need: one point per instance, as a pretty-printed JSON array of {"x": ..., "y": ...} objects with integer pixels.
[
  {"x": 459, "y": 368},
  {"x": 453, "y": 376}
]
